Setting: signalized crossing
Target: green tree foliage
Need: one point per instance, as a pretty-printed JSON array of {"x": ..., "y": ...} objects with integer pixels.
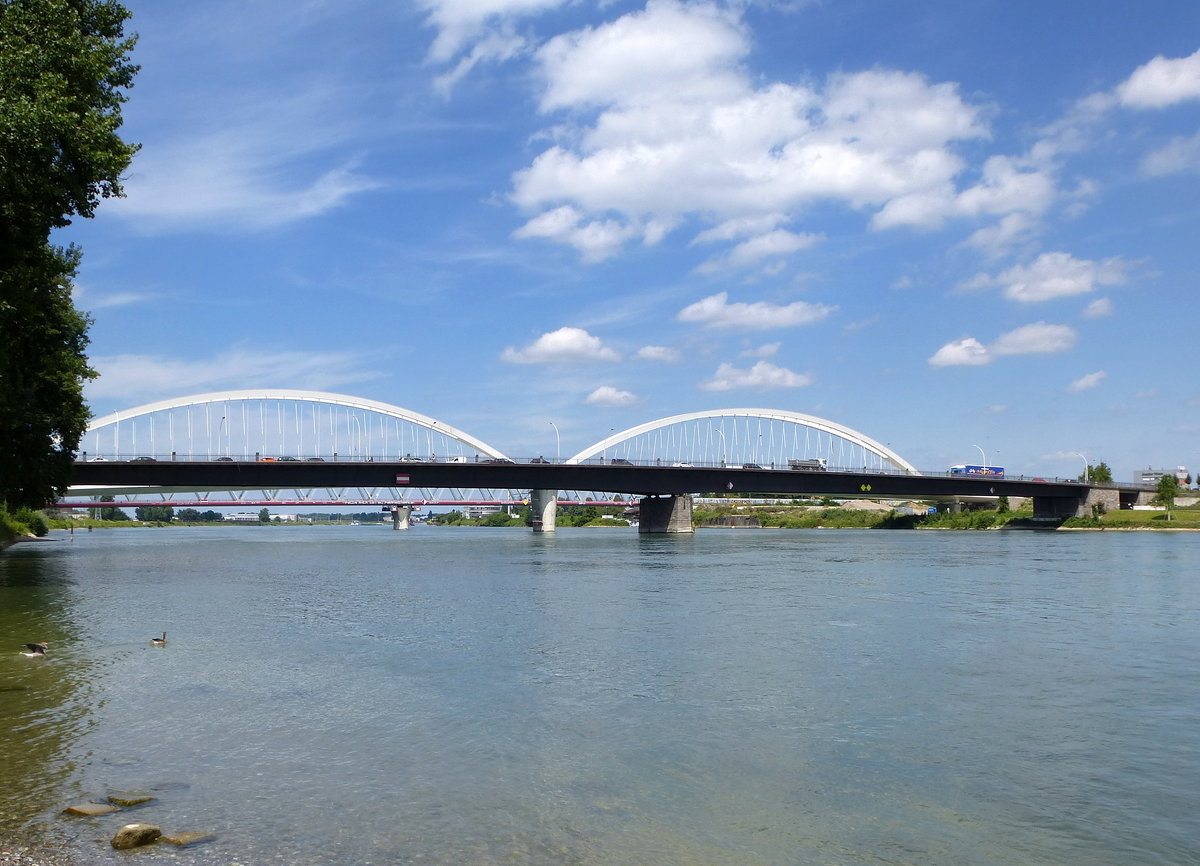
[
  {"x": 1168, "y": 489},
  {"x": 1099, "y": 472},
  {"x": 155, "y": 513},
  {"x": 264, "y": 516},
  {"x": 63, "y": 64}
]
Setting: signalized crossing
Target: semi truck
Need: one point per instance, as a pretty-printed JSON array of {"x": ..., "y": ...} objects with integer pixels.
[
  {"x": 817, "y": 464},
  {"x": 977, "y": 471}
]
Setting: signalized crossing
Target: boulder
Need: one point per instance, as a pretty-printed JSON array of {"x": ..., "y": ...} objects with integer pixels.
[
  {"x": 135, "y": 835},
  {"x": 90, "y": 809}
]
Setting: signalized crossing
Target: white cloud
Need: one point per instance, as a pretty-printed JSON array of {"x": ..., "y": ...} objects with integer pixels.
[
  {"x": 763, "y": 376},
  {"x": 142, "y": 378},
  {"x": 659, "y": 353},
  {"x": 779, "y": 243},
  {"x": 1098, "y": 308},
  {"x": 1162, "y": 82},
  {"x": 463, "y": 23},
  {"x": 266, "y": 163},
  {"x": 566, "y": 345},
  {"x": 1181, "y": 154},
  {"x": 596, "y": 240},
  {"x": 1084, "y": 383},
  {"x": 664, "y": 124},
  {"x": 766, "y": 350},
  {"x": 607, "y": 395},
  {"x": 967, "y": 352},
  {"x": 1038, "y": 338},
  {"x": 1056, "y": 275},
  {"x": 715, "y": 311}
]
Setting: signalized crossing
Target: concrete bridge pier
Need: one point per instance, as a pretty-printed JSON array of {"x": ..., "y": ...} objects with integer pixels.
[
  {"x": 400, "y": 515},
  {"x": 671, "y": 514},
  {"x": 1083, "y": 505},
  {"x": 543, "y": 507}
]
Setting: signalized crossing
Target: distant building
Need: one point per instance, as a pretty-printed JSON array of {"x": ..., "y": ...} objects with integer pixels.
[
  {"x": 1150, "y": 477},
  {"x": 242, "y": 517}
]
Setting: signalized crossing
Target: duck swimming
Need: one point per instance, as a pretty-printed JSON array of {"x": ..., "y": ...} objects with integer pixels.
[
  {"x": 36, "y": 651},
  {"x": 159, "y": 641}
]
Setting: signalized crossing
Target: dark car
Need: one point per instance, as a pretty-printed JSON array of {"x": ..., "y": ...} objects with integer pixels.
[
  {"x": 289, "y": 460},
  {"x": 539, "y": 460},
  {"x": 619, "y": 461},
  {"x": 751, "y": 466},
  {"x": 224, "y": 459},
  {"x": 314, "y": 460},
  {"x": 143, "y": 460}
]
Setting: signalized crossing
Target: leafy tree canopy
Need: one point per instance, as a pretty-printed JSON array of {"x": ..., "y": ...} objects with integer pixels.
[{"x": 63, "y": 64}]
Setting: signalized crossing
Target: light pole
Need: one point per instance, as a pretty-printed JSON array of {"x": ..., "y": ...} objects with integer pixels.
[
  {"x": 982, "y": 454},
  {"x": 1086, "y": 468},
  {"x": 724, "y": 446},
  {"x": 557, "y": 443}
]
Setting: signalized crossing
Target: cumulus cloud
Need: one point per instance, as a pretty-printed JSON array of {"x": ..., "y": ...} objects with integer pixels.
[
  {"x": 715, "y": 311},
  {"x": 1162, "y": 82},
  {"x": 763, "y": 376},
  {"x": 566, "y": 345},
  {"x": 607, "y": 395},
  {"x": 1038, "y": 338},
  {"x": 659, "y": 353},
  {"x": 665, "y": 125},
  {"x": 967, "y": 352},
  {"x": 1054, "y": 275},
  {"x": 1084, "y": 383}
]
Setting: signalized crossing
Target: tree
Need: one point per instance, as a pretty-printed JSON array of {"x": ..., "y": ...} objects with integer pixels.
[
  {"x": 264, "y": 516},
  {"x": 155, "y": 513},
  {"x": 63, "y": 64},
  {"x": 1099, "y": 472},
  {"x": 1168, "y": 488}
]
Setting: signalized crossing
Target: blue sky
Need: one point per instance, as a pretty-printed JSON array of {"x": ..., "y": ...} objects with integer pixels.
[{"x": 944, "y": 224}]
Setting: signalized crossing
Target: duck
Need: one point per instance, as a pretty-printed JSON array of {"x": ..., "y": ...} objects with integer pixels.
[
  {"x": 36, "y": 651},
  {"x": 159, "y": 641}
]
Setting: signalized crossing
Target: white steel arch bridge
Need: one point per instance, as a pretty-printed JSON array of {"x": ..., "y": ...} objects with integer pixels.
[{"x": 286, "y": 424}]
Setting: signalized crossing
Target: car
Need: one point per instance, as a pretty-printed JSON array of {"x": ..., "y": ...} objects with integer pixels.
[
  {"x": 314, "y": 459},
  {"x": 408, "y": 458},
  {"x": 681, "y": 463},
  {"x": 751, "y": 466},
  {"x": 288, "y": 460},
  {"x": 224, "y": 459},
  {"x": 539, "y": 460},
  {"x": 619, "y": 461},
  {"x": 498, "y": 460},
  {"x": 143, "y": 460},
  {"x": 266, "y": 460},
  {"x": 98, "y": 460}
]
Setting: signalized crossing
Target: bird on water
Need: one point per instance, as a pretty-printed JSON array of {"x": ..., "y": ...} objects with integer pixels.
[
  {"x": 36, "y": 650},
  {"x": 159, "y": 641}
]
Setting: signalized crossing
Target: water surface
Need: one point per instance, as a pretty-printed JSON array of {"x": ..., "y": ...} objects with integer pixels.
[{"x": 357, "y": 695}]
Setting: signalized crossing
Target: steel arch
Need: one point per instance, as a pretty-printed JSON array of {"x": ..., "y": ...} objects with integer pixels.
[
  {"x": 812, "y": 421},
  {"x": 322, "y": 397}
]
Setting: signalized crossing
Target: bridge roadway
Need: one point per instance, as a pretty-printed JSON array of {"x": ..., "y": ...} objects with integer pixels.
[{"x": 1056, "y": 497}]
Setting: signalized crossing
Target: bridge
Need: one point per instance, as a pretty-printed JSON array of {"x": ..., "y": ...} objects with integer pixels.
[{"x": 305, "y": 441}]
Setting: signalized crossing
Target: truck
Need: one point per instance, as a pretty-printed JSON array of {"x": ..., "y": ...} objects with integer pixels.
[
  {"x": 975, "y": 471},
  {"x": 817, "y": 464}
]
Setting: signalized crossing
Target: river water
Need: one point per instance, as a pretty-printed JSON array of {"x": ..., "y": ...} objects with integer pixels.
[{"x": 357, "y": 695}]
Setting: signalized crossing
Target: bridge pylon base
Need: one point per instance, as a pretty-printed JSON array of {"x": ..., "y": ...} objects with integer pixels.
[
  {"x": 666, "y": 514},
  {"x": 543, "y": 508},
  {"x": 400, "y": 515}
]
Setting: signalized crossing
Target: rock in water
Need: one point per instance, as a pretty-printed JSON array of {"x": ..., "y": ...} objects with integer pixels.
[
  {"x": 134, "y": 835},
  {"x": 188, "y": 837},
  {"x": 90, "y": 809},
  {"x": 129, "y": 799}
]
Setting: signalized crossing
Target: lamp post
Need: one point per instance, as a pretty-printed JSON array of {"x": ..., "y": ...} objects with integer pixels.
[
  {"x": 983, "y": 455},
  {"x": 1086, "y": 468},
  {"x": 724, "y": 446},
  {"x": 557, "y": 443}
]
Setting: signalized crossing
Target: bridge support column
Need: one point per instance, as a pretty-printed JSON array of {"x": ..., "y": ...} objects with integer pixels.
[
  {"x": 671, "y": 514},
  {"x": 543, "y": 507},
  {"x": 400, "y": 515},
  {"x": 1083, "y": 505}
]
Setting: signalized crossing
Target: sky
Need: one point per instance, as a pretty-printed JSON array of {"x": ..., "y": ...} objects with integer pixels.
[{"x": 965, "y": 229}]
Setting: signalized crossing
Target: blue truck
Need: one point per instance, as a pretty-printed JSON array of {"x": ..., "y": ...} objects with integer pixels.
[{"x": 977, "y": 471}]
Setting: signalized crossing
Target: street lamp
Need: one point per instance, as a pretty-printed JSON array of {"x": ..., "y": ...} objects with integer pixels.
[
  {"x": 983, "y": 455},
  {"x": 1086, "y": 468},
  {"x": 724, "y": 446},
  {"x": 557, "y": 443}
]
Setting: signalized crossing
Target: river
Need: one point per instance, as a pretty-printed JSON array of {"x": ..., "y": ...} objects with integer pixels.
[{"x": 356, "y": 695}]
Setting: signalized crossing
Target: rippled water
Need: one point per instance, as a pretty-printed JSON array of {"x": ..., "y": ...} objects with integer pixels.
[{"x": 358, "y": 695}]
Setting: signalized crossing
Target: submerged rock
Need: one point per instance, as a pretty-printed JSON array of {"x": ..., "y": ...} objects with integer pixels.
[
  {"x": 135, "y": 835},
  {"x": 90, "y": 809},
  {"x": 188, "y": 837},
  {"x": 129, "y": 799}
]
